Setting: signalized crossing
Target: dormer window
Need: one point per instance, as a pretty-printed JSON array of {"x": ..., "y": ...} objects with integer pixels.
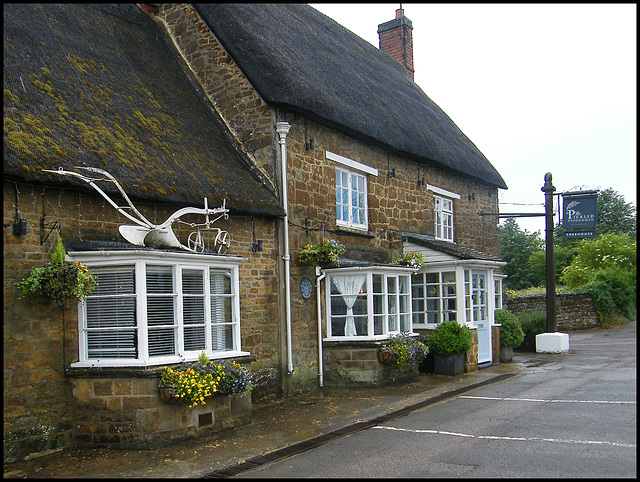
[{"x": 351, "y": 191}]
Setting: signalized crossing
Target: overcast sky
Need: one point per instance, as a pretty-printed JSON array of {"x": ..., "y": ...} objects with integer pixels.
[{"x": 536, "y": 87}]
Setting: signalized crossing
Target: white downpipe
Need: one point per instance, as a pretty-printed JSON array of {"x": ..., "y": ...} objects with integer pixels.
[
  {"x": 319, "y": 279},
  {"x": 282, "y": 128}
]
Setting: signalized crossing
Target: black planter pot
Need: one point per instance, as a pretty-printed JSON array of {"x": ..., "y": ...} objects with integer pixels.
[
  {"x": 427, "y": 364},
  {"x": 448, "y": 364}
]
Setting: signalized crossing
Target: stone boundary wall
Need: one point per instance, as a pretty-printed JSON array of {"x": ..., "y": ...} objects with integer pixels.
[{"x": 574, "y": 311}]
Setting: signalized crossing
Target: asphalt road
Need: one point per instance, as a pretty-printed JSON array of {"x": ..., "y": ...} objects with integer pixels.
[{"x": 567, "y": 415}]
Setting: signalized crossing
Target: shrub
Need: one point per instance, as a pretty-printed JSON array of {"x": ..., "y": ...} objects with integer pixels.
[
  {"x": 532, "y": 323},
  {"x": 511, "y": 333},
  {"x": 613, "y": 292},
  {"x": 450, "y": 337}
]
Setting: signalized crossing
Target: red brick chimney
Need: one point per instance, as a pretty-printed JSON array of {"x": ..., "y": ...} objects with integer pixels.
[{"x": 396, "y": 40}]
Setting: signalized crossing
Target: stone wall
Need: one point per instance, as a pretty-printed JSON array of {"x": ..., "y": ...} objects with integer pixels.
[
  {"x": 125, "y": 412},
  {"x": 353, "y": 364},
  {"x": 574, "y": 311}
]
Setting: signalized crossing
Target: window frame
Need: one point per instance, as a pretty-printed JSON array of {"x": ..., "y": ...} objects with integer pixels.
[
  {"x": 441, "y": 297},
  {"x": 179, "y": 263},
  {"x": 387, "y": 298},
  {"x": 443, "y": 218},
  {"x": 354, "y": 171},
  {"x": 443, "y": 194}
]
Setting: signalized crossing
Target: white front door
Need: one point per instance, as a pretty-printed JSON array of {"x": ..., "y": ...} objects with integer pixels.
[{"x": 480, "y": 311}]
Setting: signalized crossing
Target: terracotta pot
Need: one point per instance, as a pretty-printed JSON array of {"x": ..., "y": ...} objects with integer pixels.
[
  {"x": 386, "y": 357},
  {"x": 167, "y": 395}
]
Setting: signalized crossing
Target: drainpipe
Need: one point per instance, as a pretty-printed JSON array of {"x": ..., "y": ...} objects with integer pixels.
[
  {"x": 282, "y": 128},
  {"x": 319, "y": 278}
]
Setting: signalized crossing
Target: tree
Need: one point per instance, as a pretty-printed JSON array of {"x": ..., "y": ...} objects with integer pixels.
[
  {"x": 615, "y": 215},
  {"x": 517, "y": 247}
]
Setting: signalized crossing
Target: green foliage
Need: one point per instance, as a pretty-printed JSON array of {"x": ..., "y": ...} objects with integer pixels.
[
  {"x": 322, "y": 254},
  {"x": 533, "y": 323},
  {"x": 607, "y": 252},
  {"x": 562, "y": 257},
  {"x": 408, "y": 352},
  {"x": 450, "y": 337},
  {"x": 517, "y": 247},
  {"x": 615, "y": 215},
  {"x": 613, "y": 291},
  {"x": 511, "y": 333}
]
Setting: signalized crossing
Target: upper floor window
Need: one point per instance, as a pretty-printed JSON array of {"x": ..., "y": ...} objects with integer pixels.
[
  {"x": 351, "y": 191},
  {"x": 151, "y": 309},
  {"x": 443, "y": 218},
  {"x": 351, "y": 199},
  {"x": 443, "y": 212},
  {"x": 368, "y": 304}
]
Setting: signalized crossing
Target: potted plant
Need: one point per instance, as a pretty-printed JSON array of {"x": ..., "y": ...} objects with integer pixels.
[
  {"x": 323, "y": 254},
  {"x": 511, "y": 334},
  {"x": 193, "y": 382},
  {"x": 63, "y": 282},
  {"x": 404, "y": 351},
  {"x": 449, "y": 343},
  {"x": 412, "y": 258}
]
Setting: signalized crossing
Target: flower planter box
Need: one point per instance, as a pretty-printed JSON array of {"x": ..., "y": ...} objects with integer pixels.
[{"x": 449, "y": 364}]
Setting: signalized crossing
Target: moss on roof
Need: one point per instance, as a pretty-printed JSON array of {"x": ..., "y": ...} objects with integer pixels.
[{"x": 96, "y": 85}]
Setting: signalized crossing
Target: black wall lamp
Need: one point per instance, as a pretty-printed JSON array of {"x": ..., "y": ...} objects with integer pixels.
[{"x": 392, "y": 173}]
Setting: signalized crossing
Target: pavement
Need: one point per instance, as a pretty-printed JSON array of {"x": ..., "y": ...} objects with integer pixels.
[{"x": 280, "y": 427}]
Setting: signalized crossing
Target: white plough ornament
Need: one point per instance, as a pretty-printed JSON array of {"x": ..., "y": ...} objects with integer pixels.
[{"x": 156, "y": 235}]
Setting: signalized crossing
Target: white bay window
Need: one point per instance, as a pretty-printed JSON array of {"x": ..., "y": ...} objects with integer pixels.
[
  {"x": 153, "y": 308},
  {"x": 368, "y": 304}
]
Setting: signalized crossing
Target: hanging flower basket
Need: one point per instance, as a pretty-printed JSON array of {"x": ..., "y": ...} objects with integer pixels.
[
  {"x": 386, "y": 357},
  {"x": 63, "y": 282},
  {"x": 324, "y": 254}
]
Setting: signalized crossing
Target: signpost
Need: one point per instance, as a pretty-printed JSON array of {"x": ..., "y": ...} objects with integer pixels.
[{"x": 579, "y": 220}]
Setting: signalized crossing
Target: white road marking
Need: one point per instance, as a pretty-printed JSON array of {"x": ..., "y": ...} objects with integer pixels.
[
  {"x": 509, "y": 399},
  {"x": 510, "y": 439}
]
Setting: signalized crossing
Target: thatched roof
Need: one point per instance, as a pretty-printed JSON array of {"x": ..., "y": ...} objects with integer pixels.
[
  {"x": 97, "y": 85},
  {"x": 302, "y": 61}
]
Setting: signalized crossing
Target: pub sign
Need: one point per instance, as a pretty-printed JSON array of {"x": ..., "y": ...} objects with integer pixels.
[{"x": 580, "y": 210}]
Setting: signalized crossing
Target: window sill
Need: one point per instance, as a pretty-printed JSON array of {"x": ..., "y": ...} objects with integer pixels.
[
  {"x": 360, "y": 231},
  {"x": 136, "y": 369}
]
